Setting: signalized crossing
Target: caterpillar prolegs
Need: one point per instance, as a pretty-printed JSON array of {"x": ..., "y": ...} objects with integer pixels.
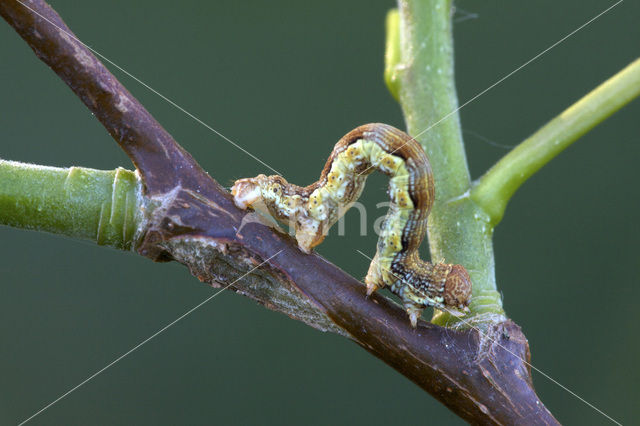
[{"x": 315, "y": 208}]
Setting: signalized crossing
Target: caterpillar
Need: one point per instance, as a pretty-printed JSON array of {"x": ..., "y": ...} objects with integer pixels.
[{"x": 315, "y": 208}]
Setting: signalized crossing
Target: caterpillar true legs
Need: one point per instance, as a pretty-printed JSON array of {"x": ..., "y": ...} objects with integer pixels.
[{"x": 315, "y": 208}]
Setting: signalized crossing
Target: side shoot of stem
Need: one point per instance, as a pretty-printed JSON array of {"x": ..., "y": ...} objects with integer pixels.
[
  {"x": 102, "y": 206},
  {"x": 494, "y": 190}
]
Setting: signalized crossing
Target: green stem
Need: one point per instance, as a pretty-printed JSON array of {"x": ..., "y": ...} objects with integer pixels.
[
  {"x": 424, "y": 80},
  {"x": 103, "y": 206},
  {"x": 498, "y": 185},
  {"x": 392, "y": 53}
]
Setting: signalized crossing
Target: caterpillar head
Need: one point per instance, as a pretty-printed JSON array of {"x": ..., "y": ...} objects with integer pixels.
[{"x": 248, "y": 191}]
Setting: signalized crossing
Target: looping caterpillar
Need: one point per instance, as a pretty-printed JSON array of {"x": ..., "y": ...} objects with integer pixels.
[{"x": 315, "y": 208}]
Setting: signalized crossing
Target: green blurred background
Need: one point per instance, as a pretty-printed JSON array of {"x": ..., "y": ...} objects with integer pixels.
[{"x": 285, "y": 80}]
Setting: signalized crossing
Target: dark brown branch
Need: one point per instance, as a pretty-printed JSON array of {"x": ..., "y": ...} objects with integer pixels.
[
  {"x": 481, "y": 377},
  {"x": 144, "y": 140}
]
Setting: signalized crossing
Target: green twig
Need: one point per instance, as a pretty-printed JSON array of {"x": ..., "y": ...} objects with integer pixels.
[
  {"x": 497, "y": 186},
  {"x": 420, "y": 58},
  {"x": 103, "y": 206},
  {"x": 392, "y": 53}
]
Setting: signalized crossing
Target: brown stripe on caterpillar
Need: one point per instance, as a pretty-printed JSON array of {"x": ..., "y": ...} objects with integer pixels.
[{"x": 315, "y": 208}]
